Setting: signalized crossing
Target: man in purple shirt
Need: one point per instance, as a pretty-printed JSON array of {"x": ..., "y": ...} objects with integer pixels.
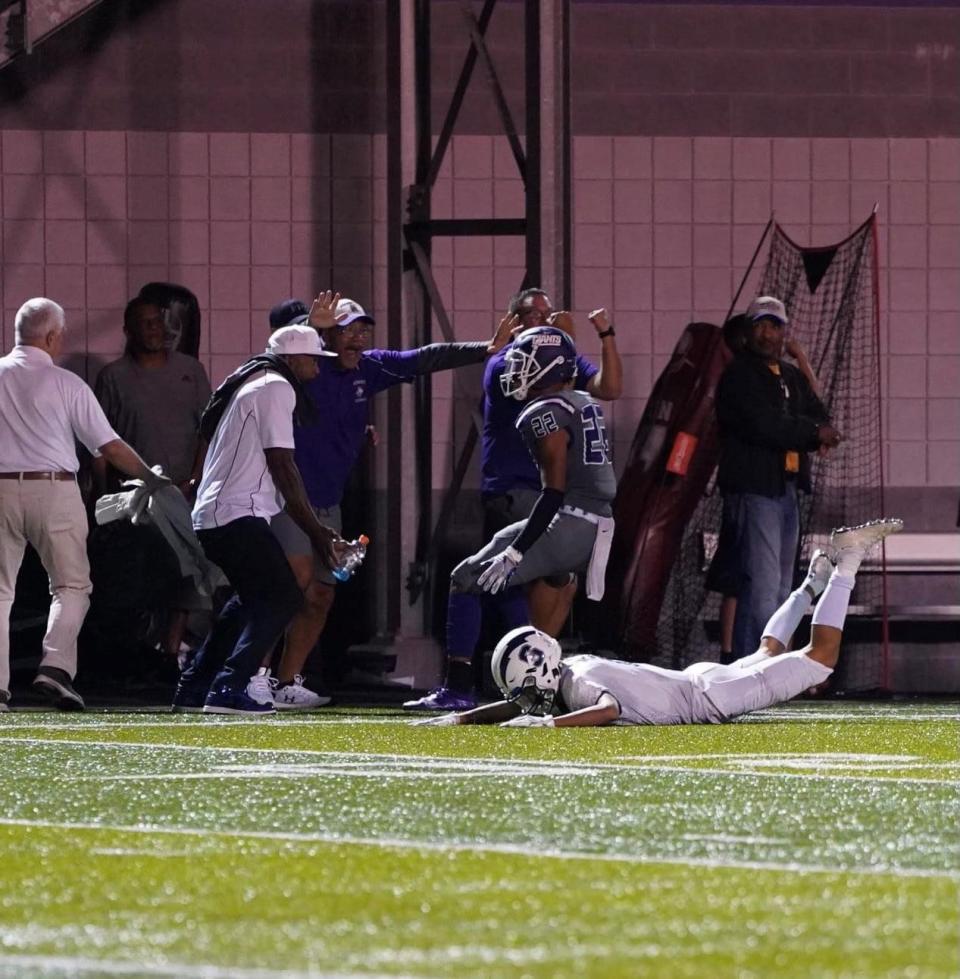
[
  {"x": 326, "y": 452},
  {"x": 510, "y": 480}
]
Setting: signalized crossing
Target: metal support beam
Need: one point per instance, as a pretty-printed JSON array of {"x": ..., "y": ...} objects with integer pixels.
[
  {"x": 556, "y": 260},
  {"x": 389, "y": 562},
  {"x": 544, "y": 224}
]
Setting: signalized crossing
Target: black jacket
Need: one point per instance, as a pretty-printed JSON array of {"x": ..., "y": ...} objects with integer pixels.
[{"x": 762, "y": 417}]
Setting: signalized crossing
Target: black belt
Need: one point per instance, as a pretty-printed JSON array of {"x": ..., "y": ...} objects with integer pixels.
[{"x": 59, "y": 476}]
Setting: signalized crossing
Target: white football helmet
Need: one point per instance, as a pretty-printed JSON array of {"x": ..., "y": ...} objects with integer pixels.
[{"x": 526, "y": 668}]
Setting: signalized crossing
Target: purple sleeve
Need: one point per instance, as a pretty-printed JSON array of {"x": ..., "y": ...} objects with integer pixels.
[
  {"x": 386, "y": 368},
  {"x": 585, "y": 371}
]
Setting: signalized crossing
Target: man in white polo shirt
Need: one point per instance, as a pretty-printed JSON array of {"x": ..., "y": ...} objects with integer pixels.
[
  {"x": 248, "y": 475},
  {"x": 43, "y": 410}
]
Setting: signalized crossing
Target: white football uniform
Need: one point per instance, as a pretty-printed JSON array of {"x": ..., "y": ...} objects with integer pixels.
[{"x": 704, "y": 693}]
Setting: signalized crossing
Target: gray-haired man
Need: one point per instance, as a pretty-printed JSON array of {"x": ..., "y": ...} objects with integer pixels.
[{"x": 43, "y": 411}]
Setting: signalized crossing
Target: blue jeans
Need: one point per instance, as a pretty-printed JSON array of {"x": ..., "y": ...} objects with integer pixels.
[
  {"x": 266, "y": 598},
  {"x": 767, "y": 531}
]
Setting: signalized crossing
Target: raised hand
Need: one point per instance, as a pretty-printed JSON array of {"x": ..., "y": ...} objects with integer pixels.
[
  {"x": 504, "y": 333},
  {"x": 600, "y": 320},
  {"x": 323, "y": 311}
]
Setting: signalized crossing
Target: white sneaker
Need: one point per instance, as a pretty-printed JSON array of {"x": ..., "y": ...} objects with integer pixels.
[
  {"x": 295, "y": 696},
  {"x": 260, "y": 687},
  {"x": 864, "y": 537}
]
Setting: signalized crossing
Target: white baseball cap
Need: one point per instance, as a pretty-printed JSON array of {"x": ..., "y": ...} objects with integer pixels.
[
  {"x": 767, "y": 306},
  {"x": 297, "y": 340},
  {"x": 353, "y": 311}
]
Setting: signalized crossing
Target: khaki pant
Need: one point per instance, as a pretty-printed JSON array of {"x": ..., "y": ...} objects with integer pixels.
[{"x": 50, "y": 515}]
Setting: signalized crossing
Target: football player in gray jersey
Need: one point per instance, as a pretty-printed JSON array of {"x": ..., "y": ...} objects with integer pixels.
[
  {"x": 542, "y": 690},
  {"x": 570, "y": 527}
]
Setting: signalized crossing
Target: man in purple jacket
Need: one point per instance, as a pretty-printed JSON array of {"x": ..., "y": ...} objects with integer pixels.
[
  {"x": 510, "y": 480},
  {"x": 325, "y": 455}
]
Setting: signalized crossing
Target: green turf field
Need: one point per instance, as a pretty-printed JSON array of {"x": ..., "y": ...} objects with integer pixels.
[{"x": 811, "y": 840}]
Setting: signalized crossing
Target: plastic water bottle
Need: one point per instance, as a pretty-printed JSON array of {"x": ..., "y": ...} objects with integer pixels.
[{"x": 352, "y": 559}]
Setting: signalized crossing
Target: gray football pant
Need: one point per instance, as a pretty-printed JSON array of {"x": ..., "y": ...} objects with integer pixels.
[{"x": 565, "y": 546}]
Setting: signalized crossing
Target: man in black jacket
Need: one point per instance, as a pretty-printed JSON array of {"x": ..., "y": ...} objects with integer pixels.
[{"x": 769, "y": 419}]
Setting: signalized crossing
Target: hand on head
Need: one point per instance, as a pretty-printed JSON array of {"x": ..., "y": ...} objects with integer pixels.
[
  {"x": 792, "y": 348},
  {"x": 563, "y": 320},
  {"x": 506, "y": 330}
]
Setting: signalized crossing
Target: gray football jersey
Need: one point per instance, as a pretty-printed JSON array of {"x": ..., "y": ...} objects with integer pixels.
[{"x": 591, "y": 484}]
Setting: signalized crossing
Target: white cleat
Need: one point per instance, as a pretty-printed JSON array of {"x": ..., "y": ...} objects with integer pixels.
[
  {"x": 864, "y": 537},
  {"x": 818, "y": 574}
]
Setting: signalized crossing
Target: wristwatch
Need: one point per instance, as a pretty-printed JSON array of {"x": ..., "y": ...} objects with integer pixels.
[{"x": 608, "y": 332}]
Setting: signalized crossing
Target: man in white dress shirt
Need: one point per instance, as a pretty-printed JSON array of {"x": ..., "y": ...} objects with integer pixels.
[{"x": 43, "y": 410}]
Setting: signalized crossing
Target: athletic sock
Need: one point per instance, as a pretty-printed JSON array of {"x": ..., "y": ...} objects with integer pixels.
[
  {"x": 831, "y": 610},
  {"x": 783, "y": 623},
  {"x": 512, "y": 605},
  {"x": 463, "y": 624},
  {"x": 849, "y": 560},
  {"x": 460, "y": 675}
]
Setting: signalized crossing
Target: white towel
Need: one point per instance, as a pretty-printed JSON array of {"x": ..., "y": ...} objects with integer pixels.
[{"x": 597, "y": 569}]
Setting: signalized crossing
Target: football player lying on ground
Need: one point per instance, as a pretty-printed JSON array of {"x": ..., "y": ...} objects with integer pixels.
[
  {"x": 570, "y": 526},
  {"x": 542, "y": 690}
]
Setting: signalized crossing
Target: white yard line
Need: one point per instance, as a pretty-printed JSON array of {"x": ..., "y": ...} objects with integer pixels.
[
  {"x": 70, "y": 966},
  {"x": 512, "y": 849},
  {"x": 450, "y": 766},
  {"x": 833, "y": 714},
  {"x": 176, "y": 722},
  {"x": 813, "y": 712}
]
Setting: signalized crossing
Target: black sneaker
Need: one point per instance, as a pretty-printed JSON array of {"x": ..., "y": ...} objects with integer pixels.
[
  {"x": 4, "y": 700},
  {"x": 55, "y": 685},
  {"x": 227, "y": 701},
  {"x": 188, "y": 700}
]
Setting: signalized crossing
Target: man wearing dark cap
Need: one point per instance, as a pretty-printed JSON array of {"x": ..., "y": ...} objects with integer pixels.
[
  {"x": 769, "y": 420},
  {"x": 291, "y": 312},
  {"x": 325, "y": 454}
]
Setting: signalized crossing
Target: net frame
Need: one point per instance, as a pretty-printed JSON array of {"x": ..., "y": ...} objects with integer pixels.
[{"x": 832, "y": 296}]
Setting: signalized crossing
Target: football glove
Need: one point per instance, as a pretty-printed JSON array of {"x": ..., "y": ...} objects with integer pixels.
[
  {"x": 530, "y": 720},
  {"x": 498, "y": 570}
]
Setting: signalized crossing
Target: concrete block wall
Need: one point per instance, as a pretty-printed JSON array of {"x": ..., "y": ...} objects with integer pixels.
[
  {"x": 123, "y": 160},
  {"x": 242, "y": 219},
  {"x": 663, "y": 230}
]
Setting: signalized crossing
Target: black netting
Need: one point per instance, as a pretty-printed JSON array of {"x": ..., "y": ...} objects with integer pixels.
[{"x": 830, "y": 295}]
